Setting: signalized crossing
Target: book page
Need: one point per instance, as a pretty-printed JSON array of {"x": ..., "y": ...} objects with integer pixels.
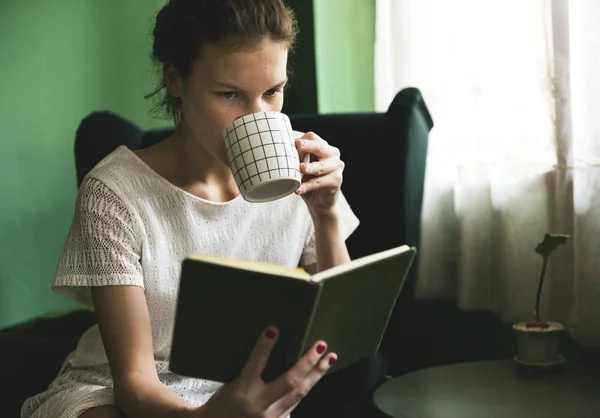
[
  {"x": 258, "y": 266},
  {"x": 358, "y": 262}
]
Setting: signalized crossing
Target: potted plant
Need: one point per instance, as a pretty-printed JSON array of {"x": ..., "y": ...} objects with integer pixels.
[{"x": 538, "y": 339}]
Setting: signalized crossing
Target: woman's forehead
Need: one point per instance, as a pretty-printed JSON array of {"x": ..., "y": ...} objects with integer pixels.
[{"x": 266, "y": 62}]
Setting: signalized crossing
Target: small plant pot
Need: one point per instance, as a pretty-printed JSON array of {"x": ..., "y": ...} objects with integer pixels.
[{"x": 539, "y": 346}]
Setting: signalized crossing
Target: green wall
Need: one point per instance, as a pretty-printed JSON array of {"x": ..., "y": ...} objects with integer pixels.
[
  {"x": 59, "y": 61},
  {"x": 345, "y": 42}
]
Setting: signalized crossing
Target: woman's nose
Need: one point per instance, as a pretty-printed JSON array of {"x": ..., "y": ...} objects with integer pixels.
[{"x": 256, "y": 106}]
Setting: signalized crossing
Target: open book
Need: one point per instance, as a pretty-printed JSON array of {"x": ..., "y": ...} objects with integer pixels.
[{"x": 224, "y": 305}]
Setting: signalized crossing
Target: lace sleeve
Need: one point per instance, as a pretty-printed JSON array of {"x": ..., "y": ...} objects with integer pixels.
[
  {"x": 101, "y": 249},
  {"x": 349, "y": 222}
]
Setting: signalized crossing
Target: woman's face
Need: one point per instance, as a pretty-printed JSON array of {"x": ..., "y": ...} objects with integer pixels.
[{"x": 225, "y": 85}]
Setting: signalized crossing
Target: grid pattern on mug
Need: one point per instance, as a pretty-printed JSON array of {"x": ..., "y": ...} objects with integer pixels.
[{"x": 261, "y": 149}]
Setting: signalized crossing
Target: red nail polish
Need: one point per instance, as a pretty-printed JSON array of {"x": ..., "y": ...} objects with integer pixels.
[
  {"x": 321, "y": 348},
  {"x": 332, "y": 360},
  {"x": 270, "y": 334}
]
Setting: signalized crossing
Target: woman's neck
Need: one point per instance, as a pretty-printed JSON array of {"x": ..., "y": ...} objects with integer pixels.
[{"x": 190, "y": 166}]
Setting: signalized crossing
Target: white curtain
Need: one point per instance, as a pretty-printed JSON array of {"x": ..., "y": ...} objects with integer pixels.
[{"x": 513, "y": 87}]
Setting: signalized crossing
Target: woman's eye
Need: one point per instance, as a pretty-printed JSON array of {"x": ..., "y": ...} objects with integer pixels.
[
  {"x": 228, "y": 94},
  {"x": 271, "y": 92}
]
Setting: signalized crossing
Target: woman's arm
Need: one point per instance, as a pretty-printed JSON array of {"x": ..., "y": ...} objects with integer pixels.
[
  {"x": 124, "y": 324},
  {"x": 320, "y": 188},
  {"x": 329, "y": 242}
]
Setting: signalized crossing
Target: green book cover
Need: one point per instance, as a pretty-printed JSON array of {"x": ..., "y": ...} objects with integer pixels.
[{"x": 223, "y": 306}]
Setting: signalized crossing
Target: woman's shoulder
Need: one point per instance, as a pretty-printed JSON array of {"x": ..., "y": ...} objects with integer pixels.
[
  {"x": 123, "y": 173},
  {"x": 120, "y": 161}
]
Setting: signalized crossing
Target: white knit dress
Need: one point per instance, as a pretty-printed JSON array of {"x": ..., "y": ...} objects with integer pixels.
[{"x": 132, "y": 227}]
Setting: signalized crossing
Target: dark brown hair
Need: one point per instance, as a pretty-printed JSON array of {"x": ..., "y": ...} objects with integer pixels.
[{"x": 182, "y": 27}]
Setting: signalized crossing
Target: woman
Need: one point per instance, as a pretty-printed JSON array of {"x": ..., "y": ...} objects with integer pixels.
[{"x": 139, "y": 214}]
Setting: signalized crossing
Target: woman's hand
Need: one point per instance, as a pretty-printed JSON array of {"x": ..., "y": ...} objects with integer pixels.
[
  {"x": 322, "y": 173},
  {"x": 248, "y": 396}
]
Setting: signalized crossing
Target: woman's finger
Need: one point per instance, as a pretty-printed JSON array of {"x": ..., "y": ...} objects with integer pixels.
[
  {"x": 290, "y": 400},
  {"x": 313, "y": 144},
  {"x": 259, "y": 356},
  {"x": 294, "y": 378},
  {"x": 321, "y": 167},
  {"x": 329, "y": 182}
]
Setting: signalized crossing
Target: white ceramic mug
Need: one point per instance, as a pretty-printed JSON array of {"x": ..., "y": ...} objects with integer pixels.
[{"x": 263, "y": 157}]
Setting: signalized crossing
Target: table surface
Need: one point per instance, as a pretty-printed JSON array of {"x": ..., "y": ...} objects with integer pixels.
[{"x": 490, "y": 389}]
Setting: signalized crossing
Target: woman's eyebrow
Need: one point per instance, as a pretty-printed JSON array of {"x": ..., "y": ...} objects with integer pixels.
[{"x": 232, "y": 87}]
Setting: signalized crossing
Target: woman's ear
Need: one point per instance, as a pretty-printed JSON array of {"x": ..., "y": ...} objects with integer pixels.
[{"x": 172, "y": 80}]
